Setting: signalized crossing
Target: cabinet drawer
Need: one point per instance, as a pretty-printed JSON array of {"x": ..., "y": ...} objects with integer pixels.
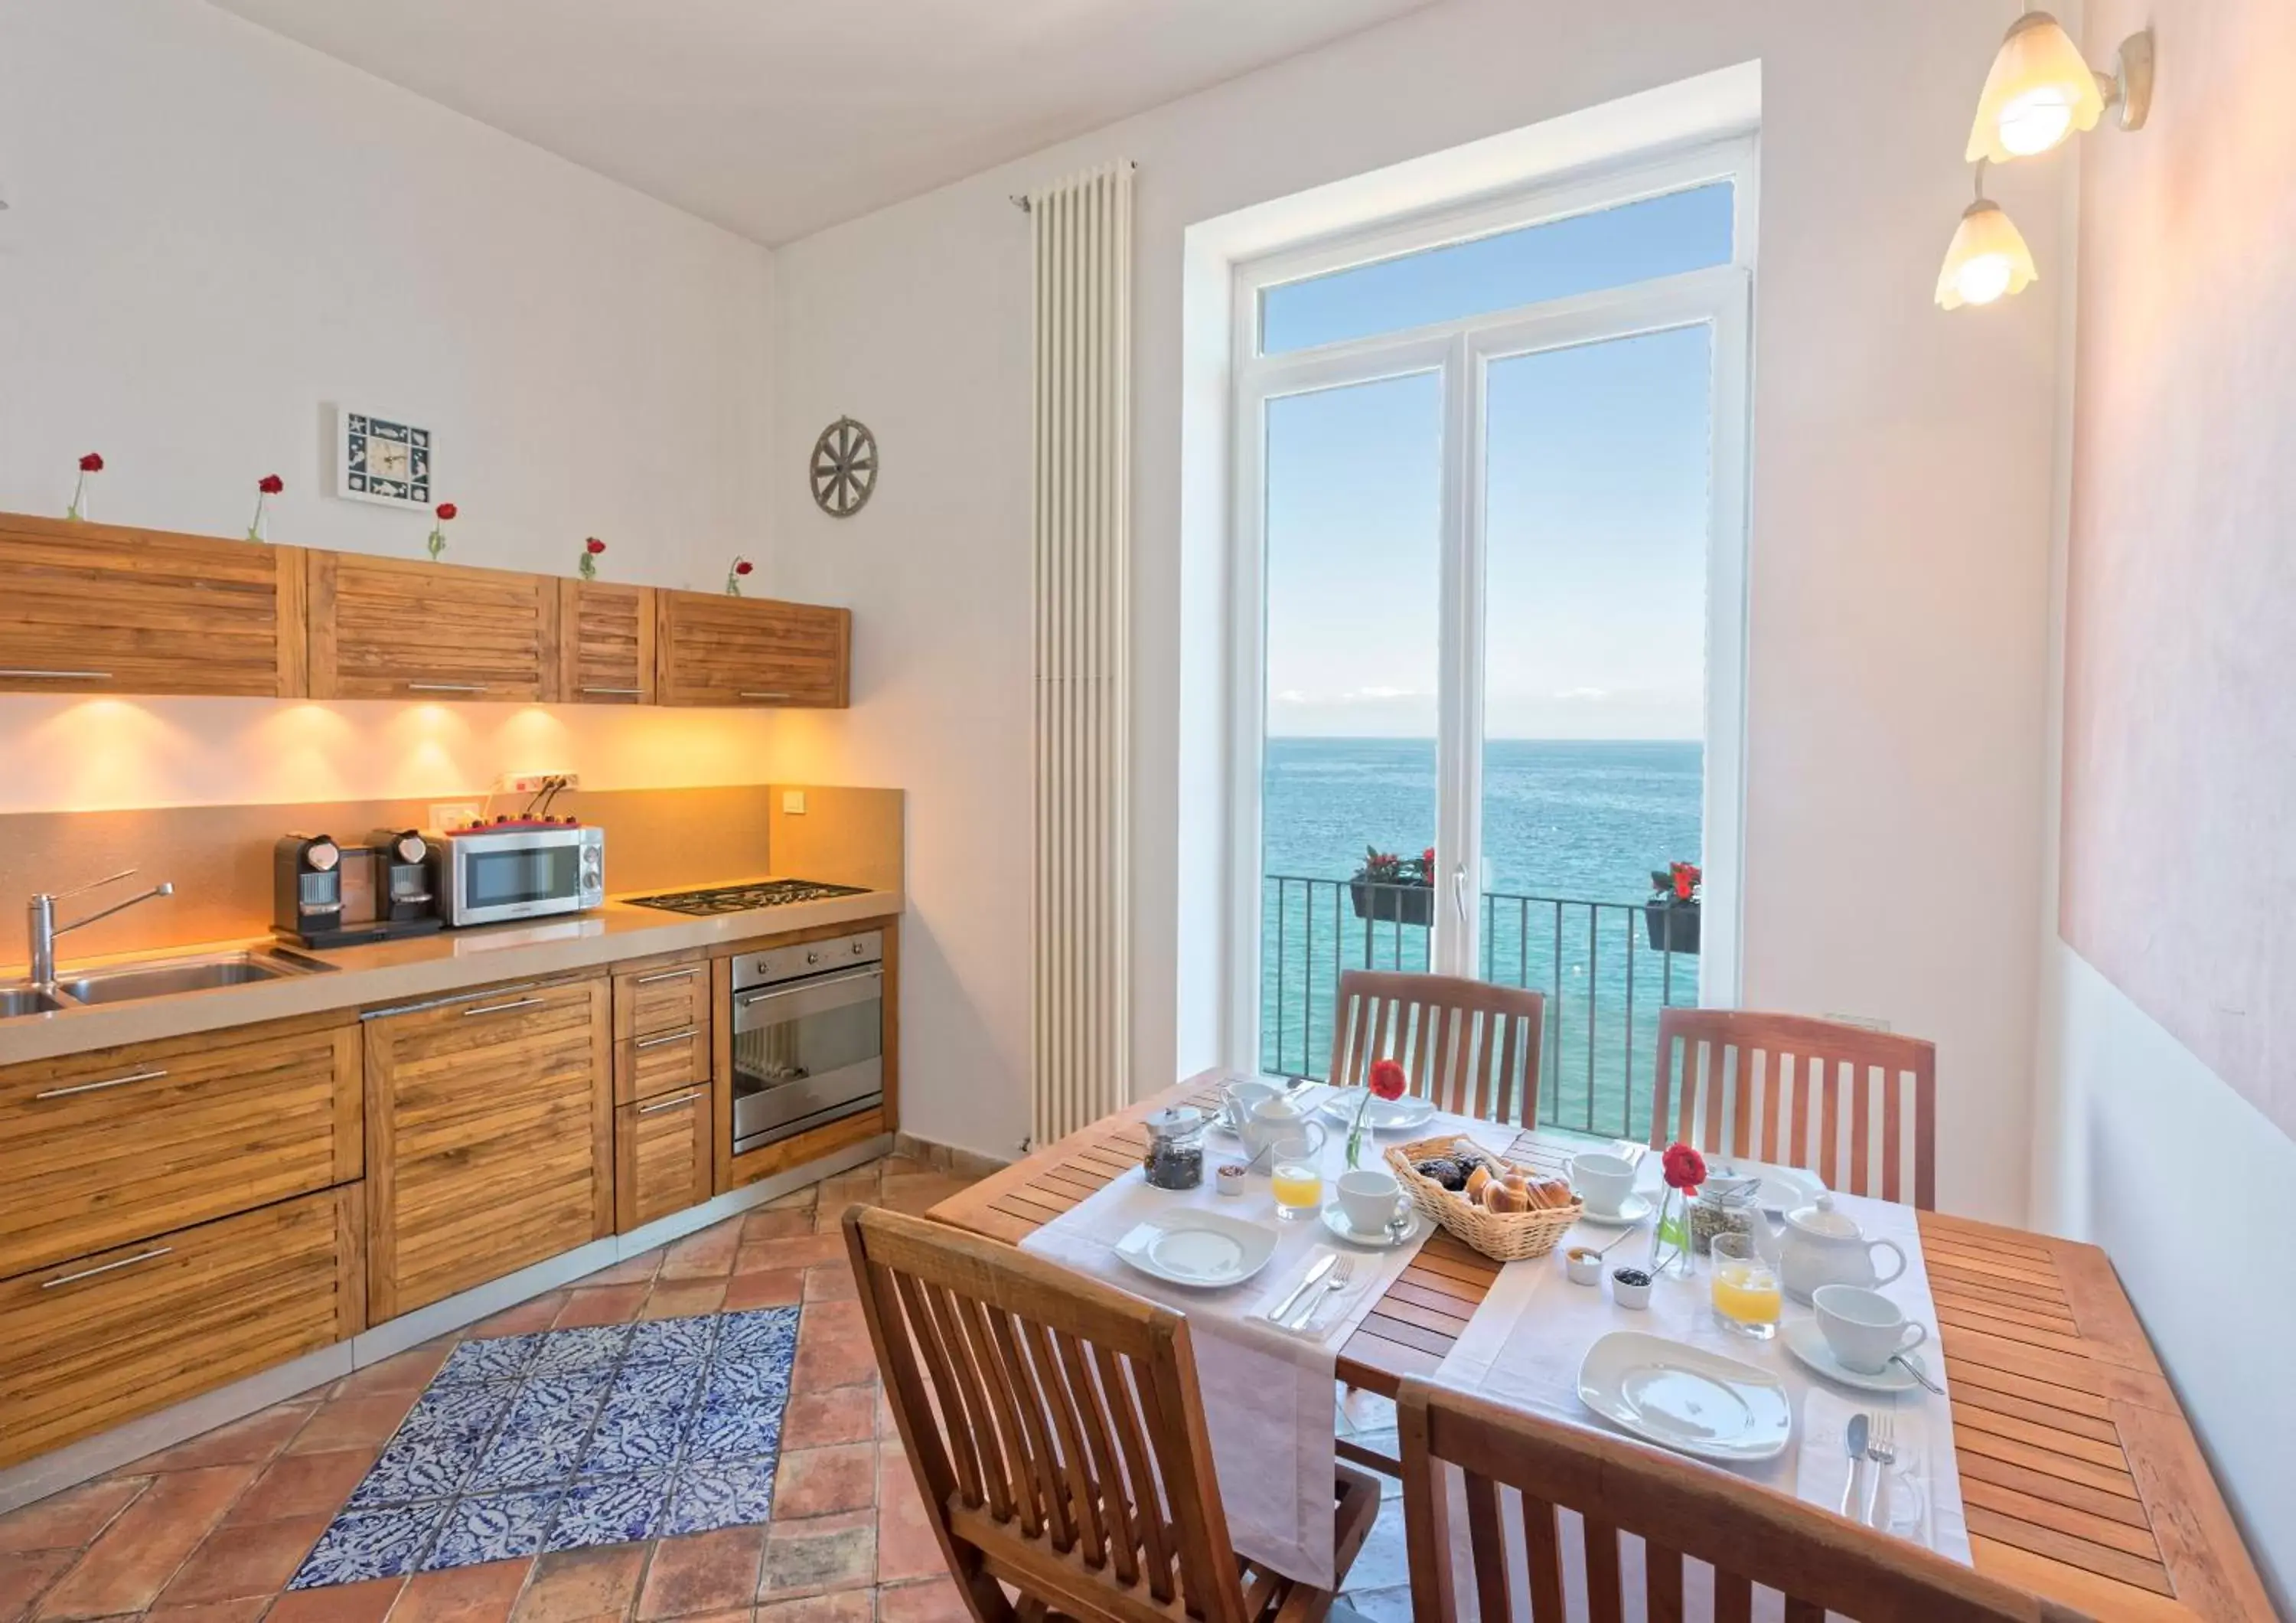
[
  {"x": 95, "y": 609},
  {"x": 661, "y": 995},
  {"x": 392, "y": 629},
  {"x": 605, "y": 636},
  {"x": 99, "y": 1150},
  {"x": 662, "y": 1157},
  {"x": 491, "y": 1137},
  {"x": 92, "y": 1343}
]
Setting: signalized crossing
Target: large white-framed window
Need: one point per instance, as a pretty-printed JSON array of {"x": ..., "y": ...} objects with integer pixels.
[{"x": 1470, "y": 354}]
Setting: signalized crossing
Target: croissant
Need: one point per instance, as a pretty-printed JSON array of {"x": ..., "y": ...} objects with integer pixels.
[
  {"x": 1478, "y": 1180},
  {"x": 1551, "y": 1193},
  {"x": 1506, "y": 1197}
]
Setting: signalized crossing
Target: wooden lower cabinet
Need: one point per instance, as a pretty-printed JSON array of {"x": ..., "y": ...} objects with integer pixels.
[
  {"x": 489, "y": 1123},
  {"x": 662, "y": 1157},
  {"x": 106, "y": 1337},
  {"x": 100, "y": 1148},
  {"x": 661, "y": 1026}
]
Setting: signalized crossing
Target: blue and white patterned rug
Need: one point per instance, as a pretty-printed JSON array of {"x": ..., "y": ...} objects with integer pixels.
[{"x": 523, "y": 1444}]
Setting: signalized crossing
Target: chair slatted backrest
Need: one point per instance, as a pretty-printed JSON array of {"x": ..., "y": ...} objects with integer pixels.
[
  {"x": 1634, "y": 1504},
  {"x": 1054, "y": 1425},
  {"x": 1471, "y": 1047},
  {"x": 1851, "y": 1105}
]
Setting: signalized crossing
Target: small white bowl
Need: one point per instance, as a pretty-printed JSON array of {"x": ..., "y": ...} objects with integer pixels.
[
  {"x": 1583, "y": 1265},
  {"x": 1630, "y": 1295}
]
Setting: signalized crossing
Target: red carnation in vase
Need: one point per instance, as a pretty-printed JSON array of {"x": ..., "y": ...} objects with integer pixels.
[
  {"x": 587, "y": 563},
  {"x": 89, "y": 463},
  {"x": 1685, "y": 1168},
  {"x": 267, "y": 487},
  {"x": 438, "y": 541},
  {"x": 1388, "y": 1079},
  {"x": 742, "y": 566},
  {"x": 270, "y": 484}
]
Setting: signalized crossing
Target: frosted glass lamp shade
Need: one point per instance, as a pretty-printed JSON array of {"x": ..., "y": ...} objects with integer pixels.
[
  {"x": 1986, "y": 260},
  {"x": 2041, "y": 91}
]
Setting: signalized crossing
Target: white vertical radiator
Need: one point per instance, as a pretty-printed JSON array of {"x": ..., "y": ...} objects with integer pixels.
[{"x": 1082, "y": 586}]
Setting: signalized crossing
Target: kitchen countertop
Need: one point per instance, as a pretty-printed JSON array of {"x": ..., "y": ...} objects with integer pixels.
[{"x": 414, "y": 969}]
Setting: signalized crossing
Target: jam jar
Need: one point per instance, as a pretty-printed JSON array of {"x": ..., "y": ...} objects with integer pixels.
[{"x": 1175, "y": 1156}]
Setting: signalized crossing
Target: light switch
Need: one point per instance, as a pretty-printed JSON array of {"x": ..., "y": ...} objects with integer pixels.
[{"x": 793, "y": 802}]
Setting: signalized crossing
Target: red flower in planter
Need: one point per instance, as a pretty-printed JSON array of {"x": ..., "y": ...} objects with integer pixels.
[
  {"x": 91, "y": 464},
  {"x": 1388, "y": 1079},
  {"x": 271, "y": 485},
  {"x": 1685, "y": 1168}
]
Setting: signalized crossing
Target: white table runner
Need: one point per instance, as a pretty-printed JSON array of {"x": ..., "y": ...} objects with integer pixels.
[
  {"x": 1268, "y": 1393},
  {"x": 1524, "y": 1345}
]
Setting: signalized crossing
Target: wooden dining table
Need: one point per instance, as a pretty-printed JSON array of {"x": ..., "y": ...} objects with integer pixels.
[{"x": 2080, "y": 1476}]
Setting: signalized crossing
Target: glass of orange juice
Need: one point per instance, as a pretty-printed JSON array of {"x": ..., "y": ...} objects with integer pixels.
[
  {"x": 1745, "y": 1288},
  {"x": 1297, "y": 1176}
]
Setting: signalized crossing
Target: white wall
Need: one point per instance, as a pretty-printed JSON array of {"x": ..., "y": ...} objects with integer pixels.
[
  {"x": 1897, "y": 627},
  {"x": 210, "y": 233}
]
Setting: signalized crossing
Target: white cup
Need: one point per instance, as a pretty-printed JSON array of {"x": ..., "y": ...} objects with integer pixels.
[
  {"x": 1604, "y": 1180},
  {"x": 1864, "y": 1329},
  {"x": 1370, "y": 1197}
]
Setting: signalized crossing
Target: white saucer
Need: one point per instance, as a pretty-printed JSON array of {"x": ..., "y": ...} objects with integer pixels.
[
  {"x": 1204, "y": 1248},
  {"x": 1381, "y": 1114},
  {"x": 1335, "y": 1219},
  {"x": 1631, "y": 1211},
  {"x": 1784, "y": 1188},
  {"x": 1806, "y": 1342}
]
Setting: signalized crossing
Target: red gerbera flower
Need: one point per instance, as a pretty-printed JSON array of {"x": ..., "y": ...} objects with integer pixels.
[
  {"x": 91, "y": 464},
  {"x": 271, "y": 485},
  {"x": 1685, "y": 1168},
  {"x": 445, "y": 509},
  {"x": 594, "y": 546},
  {"x": 743, "y": 568},
  {"x": 1388, "y": 1079}
]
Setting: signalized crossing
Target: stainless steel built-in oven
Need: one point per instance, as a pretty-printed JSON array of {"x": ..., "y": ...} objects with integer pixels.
[{"x": 808, "y": 1036}]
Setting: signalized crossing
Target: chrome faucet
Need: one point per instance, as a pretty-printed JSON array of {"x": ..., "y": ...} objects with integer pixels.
[{"x": 41, "y": 919}]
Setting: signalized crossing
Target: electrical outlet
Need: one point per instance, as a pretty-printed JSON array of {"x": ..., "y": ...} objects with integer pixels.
[
  {"x": 453, "y": 815},
  {"x": 793, "y": 802},
  {"x": 533, "y": 783}
]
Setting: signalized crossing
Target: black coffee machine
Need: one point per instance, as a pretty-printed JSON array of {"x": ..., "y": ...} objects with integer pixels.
[{"x": 327, "y": 894}]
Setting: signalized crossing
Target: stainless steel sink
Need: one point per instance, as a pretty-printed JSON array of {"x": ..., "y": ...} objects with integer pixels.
[
  {"x": 125, "y": 982},
  {"x": 25, "y": 1000}
]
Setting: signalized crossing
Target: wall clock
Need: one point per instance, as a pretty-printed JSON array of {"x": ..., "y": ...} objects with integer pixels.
[
  {"x": 382, "y": 459},
  {"x": 844, "y": 467}
]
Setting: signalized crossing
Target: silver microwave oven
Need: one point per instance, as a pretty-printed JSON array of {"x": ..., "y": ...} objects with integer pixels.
[{"x": 489, "y": 875}]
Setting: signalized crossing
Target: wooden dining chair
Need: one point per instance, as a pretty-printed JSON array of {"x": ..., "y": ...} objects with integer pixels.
[
  {"x": 1470, "y": 1046},
  {"x": 1851, "y": 1105},
  {"x": 1697, "y": 1531},
  {"x": 1057, "y": 1436}
]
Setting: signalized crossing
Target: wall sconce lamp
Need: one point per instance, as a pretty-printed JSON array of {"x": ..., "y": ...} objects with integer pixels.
[
  {"x": 2041, "y": 90},
  {"x": 1987, "y": 259}
]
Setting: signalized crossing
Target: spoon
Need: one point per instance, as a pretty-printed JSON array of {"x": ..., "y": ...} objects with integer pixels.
[{"x": 1915, "y": 1370}]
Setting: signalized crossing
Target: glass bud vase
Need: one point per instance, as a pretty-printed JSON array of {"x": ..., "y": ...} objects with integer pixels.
[{"x": 1671, "y": 1237}]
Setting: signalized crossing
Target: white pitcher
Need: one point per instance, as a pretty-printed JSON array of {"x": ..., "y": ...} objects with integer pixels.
[
  {"x": 1818, "y": 1246},
  {"x": 1279, "y": 1119}
]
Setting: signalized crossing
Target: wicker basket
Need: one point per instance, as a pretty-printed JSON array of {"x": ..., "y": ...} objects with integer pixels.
[{"x": 1505, "y": 1237}]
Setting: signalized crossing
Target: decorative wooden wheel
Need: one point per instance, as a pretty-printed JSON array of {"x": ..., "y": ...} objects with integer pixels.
[{"x": 844, "y": 468}]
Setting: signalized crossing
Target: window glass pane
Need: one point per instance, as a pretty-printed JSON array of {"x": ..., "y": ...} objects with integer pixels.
[{"x": 1658, "y": 236}]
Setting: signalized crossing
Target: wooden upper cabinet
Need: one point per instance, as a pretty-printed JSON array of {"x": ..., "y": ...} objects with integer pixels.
[
  {"x": 396, "y": 628},
  {"x": 720, "y": 650},
  {"x": 606, "y": 643},
  {"x": 93, "y": 609}
]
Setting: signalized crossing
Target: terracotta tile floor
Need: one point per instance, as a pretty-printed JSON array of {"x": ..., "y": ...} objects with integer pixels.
[{"x": 210, "y": 1531}]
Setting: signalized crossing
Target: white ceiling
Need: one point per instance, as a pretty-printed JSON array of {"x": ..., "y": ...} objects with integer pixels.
[{"x": 776, "y": 117}]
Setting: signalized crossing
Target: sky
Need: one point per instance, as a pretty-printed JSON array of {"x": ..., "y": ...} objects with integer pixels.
[{"x": 1595, "y": 486}]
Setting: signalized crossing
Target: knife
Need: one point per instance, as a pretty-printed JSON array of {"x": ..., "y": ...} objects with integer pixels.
[
  {"x": 1322, "y": 1266},
  {"x": 1854, "y": 1439}
]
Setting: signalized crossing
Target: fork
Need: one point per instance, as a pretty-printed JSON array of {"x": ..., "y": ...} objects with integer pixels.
[
  {"x": 1337, "y": 1280},
  {"x": 1882, "y": 1448}
]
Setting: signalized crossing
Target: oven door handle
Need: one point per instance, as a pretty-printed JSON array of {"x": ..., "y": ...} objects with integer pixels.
[{"x": 770, "y": 1004}]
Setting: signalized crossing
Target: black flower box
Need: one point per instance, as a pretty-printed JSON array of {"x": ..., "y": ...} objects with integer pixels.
[{"x": 1412, "y": 904}]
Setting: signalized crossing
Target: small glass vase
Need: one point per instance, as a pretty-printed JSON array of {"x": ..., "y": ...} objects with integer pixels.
[{"x": 1669, "y": 1251}]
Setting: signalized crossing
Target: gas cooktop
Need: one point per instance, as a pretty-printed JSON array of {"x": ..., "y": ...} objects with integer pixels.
[{"x": 742, "y": 898}]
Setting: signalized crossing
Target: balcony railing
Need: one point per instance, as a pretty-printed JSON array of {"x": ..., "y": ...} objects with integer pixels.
[{"x": 1604, "y": 983}]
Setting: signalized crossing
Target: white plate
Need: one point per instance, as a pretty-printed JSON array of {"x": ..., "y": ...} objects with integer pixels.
[
  {"x": 1384, "y": 1116},
  {"x": 1335, "y": 1219},
  {"x": 1806, "y": 1342},
  {"x": 1685, "y": 1399},
  {"x": 1784, "y": 1188},
  {"x": 1631, "y": 1211},
  {"x": 1202, "y": 1248}
]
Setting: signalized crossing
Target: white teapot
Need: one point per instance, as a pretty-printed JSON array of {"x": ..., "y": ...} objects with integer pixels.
[
  {"x": 1279, "y": 1119},
  {"x": 1819, "y": 1246}
]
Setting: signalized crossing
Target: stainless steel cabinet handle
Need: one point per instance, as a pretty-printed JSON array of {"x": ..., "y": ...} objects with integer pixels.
[
  {"x": 125, "y": 1262},
  {"x": 502, "y": 1008},
  {"x": 94, "y": 1087},
  {"x": 669, "y": 974},
  {"x": 765, "y": 696},
  {"x": 446, "y": 687},
  {"x": 618, "y": 693},
  {"x": 669, "y": 1104},
  {"x": 662, "y": 1041},
  {"x": 59, "y": 676}
]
